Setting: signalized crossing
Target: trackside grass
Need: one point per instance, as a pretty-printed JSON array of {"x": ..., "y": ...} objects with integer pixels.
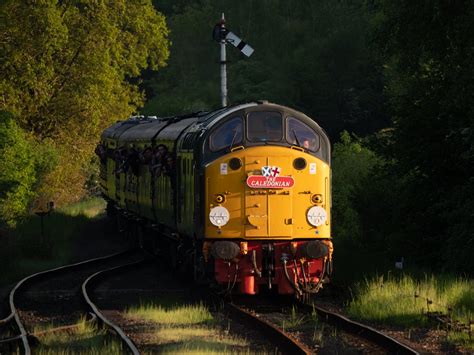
[
  {"x": 91, "y": 208},
  {"x": 187, "y": 314},
  {"x": 87, "y": 339},
  {"x": 25, "y": 250},
  {"x": 189, "y": 328},
  {"x": 295, "y": 320},
  {"x": 404, "y": 302}
]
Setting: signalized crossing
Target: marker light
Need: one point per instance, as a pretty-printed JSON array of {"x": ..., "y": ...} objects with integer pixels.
[
  {"x": 317, "y": 198},
  {"x": 219, "y": 198},
  {"x": 316, "y": 216},
  {"x": 219, "y": 216}
]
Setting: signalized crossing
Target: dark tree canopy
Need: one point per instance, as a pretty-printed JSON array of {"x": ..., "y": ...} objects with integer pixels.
[{"x": 429, "y": 50}]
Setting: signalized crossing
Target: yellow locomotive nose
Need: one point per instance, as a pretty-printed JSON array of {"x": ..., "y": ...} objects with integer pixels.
[
  {"x": 270, "y": 194},
  {"x": 278, "y": 225}
]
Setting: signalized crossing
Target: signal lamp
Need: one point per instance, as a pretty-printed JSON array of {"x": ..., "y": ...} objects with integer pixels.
[
  {"x": 299, "y": 163},
  {"x": 235, "y": 163}
]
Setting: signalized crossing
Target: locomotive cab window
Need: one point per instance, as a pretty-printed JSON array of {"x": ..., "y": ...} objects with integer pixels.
[
  {"x": 228, "y": 134},
  {"x": 263, "y": 126},
  {"x": 298, "y": 133}
]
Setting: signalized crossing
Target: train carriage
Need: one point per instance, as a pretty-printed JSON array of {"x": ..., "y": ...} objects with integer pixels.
[{"x": 243, "y": 193}]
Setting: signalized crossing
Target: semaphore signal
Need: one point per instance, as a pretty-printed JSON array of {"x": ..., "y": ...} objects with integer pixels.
[
  {"x": 222, "y": 35},
  {"x": 233, "y": 39}
]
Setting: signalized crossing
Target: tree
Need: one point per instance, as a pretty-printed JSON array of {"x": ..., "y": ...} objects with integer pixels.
[
  {"x": 67, "y": 70},
  {"x": 23, "y": 164},
  {"x": 428, "y": 48},
  {"x": 353, "y": 167}
]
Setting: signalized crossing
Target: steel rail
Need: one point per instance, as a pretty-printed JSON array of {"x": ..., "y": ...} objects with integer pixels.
[
  {"x": 360, "y": 330},
  {"x": 49, "y": 331},
  {"x": 282, "y": 340},
  {"x": 7, "y": 319},
  {"x": 94, "y": 278},
  {"x": 13, "y": 310}
]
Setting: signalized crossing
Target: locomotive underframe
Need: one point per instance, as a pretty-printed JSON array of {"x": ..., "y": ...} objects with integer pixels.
[{"x": 274, "y": 265}]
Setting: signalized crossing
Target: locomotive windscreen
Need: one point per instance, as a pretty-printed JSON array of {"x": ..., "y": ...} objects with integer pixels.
[
  {"x": 230, "y": 133},
  {"x": 263, "y": 126},
  {"x": 300, "y": 134}
]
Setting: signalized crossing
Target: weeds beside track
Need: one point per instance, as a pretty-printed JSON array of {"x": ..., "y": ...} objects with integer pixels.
[{"x": 23, "y": 334}]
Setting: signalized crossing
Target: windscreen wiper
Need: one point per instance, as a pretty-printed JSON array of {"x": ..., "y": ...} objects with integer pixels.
[
  {"x": 296, "y": 138},
  {"x": 233, "y": 140}
]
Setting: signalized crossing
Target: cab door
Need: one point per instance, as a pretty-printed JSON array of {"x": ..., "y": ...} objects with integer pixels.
[
  {"x": 268, "y": 211},
  {"x": 256, "y": 200},
  {"x": 280, "y": 202}
]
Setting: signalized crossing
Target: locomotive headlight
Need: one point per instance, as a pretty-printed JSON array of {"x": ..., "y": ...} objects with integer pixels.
[
  {"x": 219, "y": 216},
  {"x": 316, "y": 216}
]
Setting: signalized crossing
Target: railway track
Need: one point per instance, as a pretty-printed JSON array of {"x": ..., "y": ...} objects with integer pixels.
[
  {"x": 283, "y": 341},
  {"x": 269, "y": 317},
  {"x": 172, "y": 293},
  {"x": 87, "y": 288},
  {"x": 61, "y": 284},
  {"x": 370, "y": 334},
  {"x": 251, "y": 317}
]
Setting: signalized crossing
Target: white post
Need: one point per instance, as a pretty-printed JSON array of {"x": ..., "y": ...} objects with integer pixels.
[{"x": 223, "y": 66}]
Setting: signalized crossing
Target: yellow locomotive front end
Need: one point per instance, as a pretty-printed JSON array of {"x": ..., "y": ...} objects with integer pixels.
[{"x": 268, "y": 202}]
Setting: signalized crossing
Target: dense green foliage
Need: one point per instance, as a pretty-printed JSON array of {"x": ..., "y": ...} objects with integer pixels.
[
  {"x": 17, "y": 175},
  {"x": 65, "y": 73},
  {"x": 23, "y": 164},
  {"x": 429, "y": 51},
  {"x": 352, "y": 167}
]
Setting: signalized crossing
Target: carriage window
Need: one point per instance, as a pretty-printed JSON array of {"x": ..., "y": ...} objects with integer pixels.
[
  {"x": 230, "y": 133},
  {"x": 264, "y": 126},
  {"x": 300, "y": 134}
]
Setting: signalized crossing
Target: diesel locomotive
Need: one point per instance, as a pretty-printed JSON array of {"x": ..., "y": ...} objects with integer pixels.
[{"x": 241, "y": 195}]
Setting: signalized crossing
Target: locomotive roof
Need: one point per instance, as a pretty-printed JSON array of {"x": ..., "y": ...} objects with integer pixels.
[
  {"x": 117, "y": 129},
  {"x": 143, "y": 130},
  {"x": 170, "y": 128},
  {"x": 213, "y": 117},
  {"x": 174, "y": 129}
]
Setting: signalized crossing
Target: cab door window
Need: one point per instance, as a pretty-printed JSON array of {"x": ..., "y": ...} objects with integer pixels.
[
  {"x": 229, "y": 133},
  {"x": 298, "y": 133}
]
